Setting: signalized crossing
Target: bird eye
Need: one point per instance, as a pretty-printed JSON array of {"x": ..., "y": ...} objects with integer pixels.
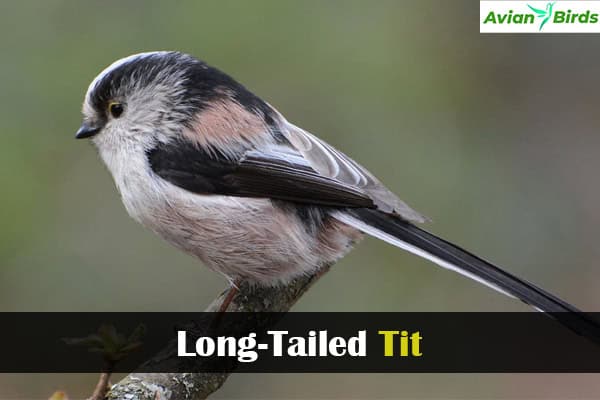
[{"x": 115, "y": 109}]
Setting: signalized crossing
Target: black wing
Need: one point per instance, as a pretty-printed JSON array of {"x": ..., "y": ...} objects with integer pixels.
[{"x": 275, "y": 175}]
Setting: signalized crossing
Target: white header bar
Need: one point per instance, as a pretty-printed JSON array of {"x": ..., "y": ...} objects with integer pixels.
[{"x": 566, "y": 16}]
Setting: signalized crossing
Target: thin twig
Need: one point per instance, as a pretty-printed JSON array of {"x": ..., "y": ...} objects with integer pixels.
[{"x": 102, "y": 387}]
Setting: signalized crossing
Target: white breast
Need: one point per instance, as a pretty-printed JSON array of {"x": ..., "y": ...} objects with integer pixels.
[{"x": 239, "y": 237}]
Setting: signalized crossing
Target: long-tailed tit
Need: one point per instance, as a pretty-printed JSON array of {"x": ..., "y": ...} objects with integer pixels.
[{"x": 223, "y": 176}]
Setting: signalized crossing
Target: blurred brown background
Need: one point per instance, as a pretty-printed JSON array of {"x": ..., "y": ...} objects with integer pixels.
[{"x": 495, "y": 137}]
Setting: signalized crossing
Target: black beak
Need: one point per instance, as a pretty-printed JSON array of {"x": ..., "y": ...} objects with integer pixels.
[{"x": 87, "y": 131}]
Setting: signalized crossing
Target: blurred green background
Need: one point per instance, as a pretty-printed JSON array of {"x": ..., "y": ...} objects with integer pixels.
[{"x": 495, "y": 137}]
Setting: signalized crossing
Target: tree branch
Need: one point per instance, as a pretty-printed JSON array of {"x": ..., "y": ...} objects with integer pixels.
[{"x": 196, "y": 386}]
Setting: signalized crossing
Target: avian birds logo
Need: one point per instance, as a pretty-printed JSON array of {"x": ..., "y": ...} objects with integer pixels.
[{"x": 544, "y": 14}]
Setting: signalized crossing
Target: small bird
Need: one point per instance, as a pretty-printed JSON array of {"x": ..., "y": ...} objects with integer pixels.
[{"x": 222, "y": 175}]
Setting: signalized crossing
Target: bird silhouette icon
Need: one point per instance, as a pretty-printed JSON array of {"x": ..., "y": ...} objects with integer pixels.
[{"x": 545, "y": 14}]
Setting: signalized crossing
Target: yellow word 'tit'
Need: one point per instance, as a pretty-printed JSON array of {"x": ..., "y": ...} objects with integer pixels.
[{"x": 406, "y": 342}]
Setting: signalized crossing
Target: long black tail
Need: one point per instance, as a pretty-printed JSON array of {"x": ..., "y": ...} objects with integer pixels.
[{"x": 422, "y": 243}]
